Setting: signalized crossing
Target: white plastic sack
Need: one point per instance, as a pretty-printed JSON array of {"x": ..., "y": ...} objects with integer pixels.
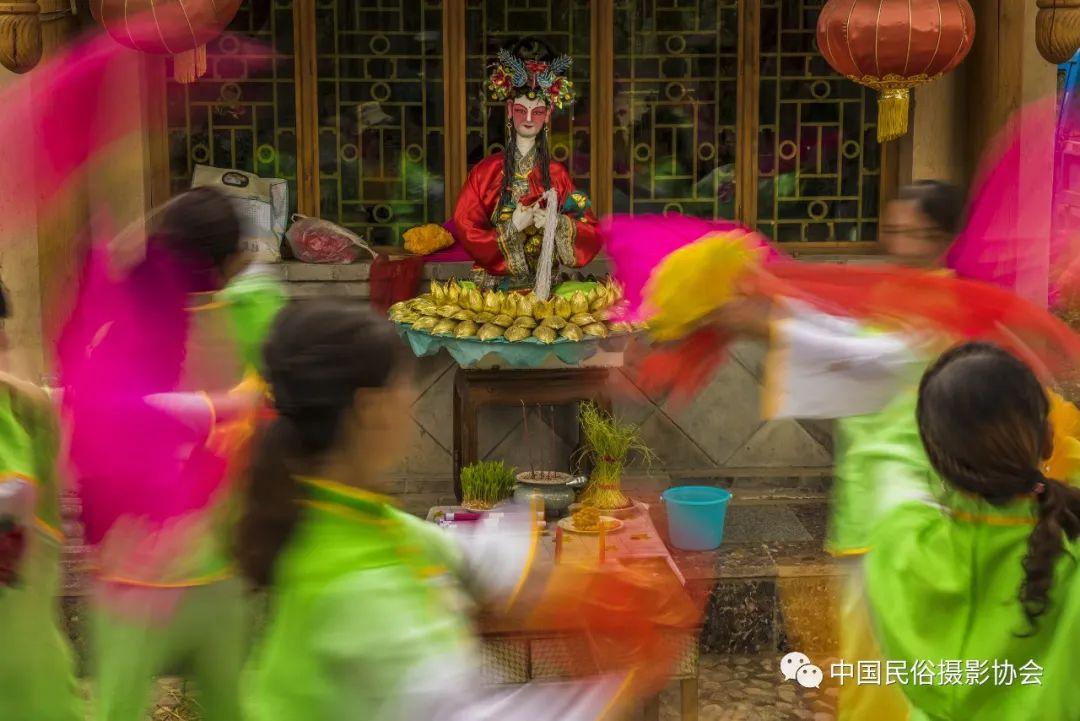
[{"x": 263, "y": 204}]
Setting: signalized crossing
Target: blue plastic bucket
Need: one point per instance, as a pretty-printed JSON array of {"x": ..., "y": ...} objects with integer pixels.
[{"x": 696, "y": 516}]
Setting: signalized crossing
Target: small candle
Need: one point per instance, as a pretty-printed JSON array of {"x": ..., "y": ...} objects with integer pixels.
[
  {"x": 603, "y": 542},
  {"x": 558, "y": 543}
]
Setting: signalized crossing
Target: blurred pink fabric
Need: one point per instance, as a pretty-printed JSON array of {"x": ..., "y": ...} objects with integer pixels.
[{"x": 637, "y": 244}]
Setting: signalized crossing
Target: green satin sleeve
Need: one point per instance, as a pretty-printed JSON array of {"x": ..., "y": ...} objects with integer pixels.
[
  {"x": 254, "y": 301},
  {"x": 943, "y": 584},
  {"x": 880, "y": 461}
]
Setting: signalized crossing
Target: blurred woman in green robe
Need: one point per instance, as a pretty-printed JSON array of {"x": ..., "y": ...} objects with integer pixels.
[
  {"x": 37, "y": 679},
  {"x": 973, "y": 583}
]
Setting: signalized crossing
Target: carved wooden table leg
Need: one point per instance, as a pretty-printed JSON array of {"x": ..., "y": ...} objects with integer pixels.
[
  {"x": 689, "y": 699},
  {"x": 652, "y": 709}
]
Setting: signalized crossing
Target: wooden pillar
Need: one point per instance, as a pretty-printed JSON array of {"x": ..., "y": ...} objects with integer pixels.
[
  {"x": 157, "y": 185},
  {"x": 747, "y": 98},
  {"x": 307, "y": 108},
  {"x": 63, "y": 220},
  {"x": 455, "y": 152},
  {"x": 602, "y": 123},
  {"x": 937, "y": 132},
  {"x": 1003, "y": 71}
]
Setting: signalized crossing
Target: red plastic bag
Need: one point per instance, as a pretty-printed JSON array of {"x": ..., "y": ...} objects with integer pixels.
[
  {"x": 394, "y": 279},
  {"x": 320, "y": 241}
]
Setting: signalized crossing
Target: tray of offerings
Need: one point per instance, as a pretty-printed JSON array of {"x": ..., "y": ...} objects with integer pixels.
[{"x": 517, "y": 329}]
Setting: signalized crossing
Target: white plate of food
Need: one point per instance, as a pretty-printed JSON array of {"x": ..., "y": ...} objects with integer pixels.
[{"x": 610, "y": 525}]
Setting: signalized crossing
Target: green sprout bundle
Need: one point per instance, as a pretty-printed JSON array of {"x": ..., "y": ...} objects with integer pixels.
[
  {"x": 486, "y": 483},
  {"x": 608, "y": 444}
]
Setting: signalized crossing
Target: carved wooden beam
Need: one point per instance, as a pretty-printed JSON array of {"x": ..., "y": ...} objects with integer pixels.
[
  {"x": 20, "y": 35},
  {"x": 1057, "y": 29}
]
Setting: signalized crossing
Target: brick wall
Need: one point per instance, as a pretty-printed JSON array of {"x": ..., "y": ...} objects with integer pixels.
[{"x": 719, "y": 439}]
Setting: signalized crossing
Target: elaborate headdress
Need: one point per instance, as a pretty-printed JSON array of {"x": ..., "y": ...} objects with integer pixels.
[{"x": 516, "y": 75}]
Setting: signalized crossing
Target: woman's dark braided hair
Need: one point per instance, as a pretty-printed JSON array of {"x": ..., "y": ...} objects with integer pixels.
[
  {"x": 318, "y": 355},
  {"x": 984, "y": 421},
  {"x": 528, "y": 48}
]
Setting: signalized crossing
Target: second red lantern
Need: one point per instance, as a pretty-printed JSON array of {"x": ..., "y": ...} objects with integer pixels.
[
  {"x": 180, "y": 28},
  {"x": 893, "y": 46}
]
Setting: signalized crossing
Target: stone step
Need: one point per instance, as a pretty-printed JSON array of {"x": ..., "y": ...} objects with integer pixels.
[{"x": 770, "y": 587}]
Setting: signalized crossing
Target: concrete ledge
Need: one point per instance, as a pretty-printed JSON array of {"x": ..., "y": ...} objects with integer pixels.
[{"x": 296, "y": 272}]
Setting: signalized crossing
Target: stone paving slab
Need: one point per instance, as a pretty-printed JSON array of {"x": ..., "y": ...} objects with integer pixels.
[
  {"x": 731, "y": 688},
  {"x": 750, "y": 688}
]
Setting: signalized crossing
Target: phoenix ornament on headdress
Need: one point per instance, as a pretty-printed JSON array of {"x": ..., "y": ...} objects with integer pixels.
[{"x": 514, "y": 76}]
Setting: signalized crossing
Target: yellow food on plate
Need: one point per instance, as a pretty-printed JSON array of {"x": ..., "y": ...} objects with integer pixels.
[
  {"x": 525, "y": 321},
  {"x": 490, "y": 331},
  {"x": 525, "y": 305},
  {"x": 444, "y": 327},
  {"x": 544, "y": 334},
  {"x": 582, "y": 319},
  {"x": 466, "y": 329},
  {"x": 427, "y": 307},
  {"x": 492, "y": 302},
  {"x": 475, "y": 301},
  {"x": 425, "y": 324},
  {"x": 464, "y": 315},
  {"x": 517, "y": 333},
  {"x": 572, "y": 332},
  {"x": 541, "y": 309},
  {"x": 586, "y": 518},
  {"x": 427, "y": 239},
  {"x": 438, "y": 292}
]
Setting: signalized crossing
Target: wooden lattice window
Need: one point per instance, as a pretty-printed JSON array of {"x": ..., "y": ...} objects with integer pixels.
[{"x": 375, "y": 110}]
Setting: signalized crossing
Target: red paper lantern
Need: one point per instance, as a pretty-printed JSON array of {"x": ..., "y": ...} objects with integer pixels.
[
  {"x": 180, "y": 28},
  {"x": 893, "y": 46}
]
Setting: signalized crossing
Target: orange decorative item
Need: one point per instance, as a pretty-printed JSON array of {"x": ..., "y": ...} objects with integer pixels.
[
  {"x": 893, "y": 46},
  {"x": 180, "y": 28}
]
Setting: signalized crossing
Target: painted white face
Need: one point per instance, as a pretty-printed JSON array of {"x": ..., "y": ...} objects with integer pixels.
[{"x": 529, "y": 116}]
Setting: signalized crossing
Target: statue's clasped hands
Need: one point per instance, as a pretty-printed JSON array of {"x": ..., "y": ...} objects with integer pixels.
[
  {"x": 526, "y": 215},
  {"x": 522, "y": 218}
]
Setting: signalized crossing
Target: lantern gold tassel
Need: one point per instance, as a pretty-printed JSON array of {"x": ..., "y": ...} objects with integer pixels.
[
  {"x": 189, "y": 65},
  {"x": 184, "y": 67},
  {"x": 893, "y": 107}
]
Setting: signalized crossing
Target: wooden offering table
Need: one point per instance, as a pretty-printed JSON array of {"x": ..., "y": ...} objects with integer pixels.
[
  {"x": 474, "y": 389},
  {"x": 511, "y": 655}
]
